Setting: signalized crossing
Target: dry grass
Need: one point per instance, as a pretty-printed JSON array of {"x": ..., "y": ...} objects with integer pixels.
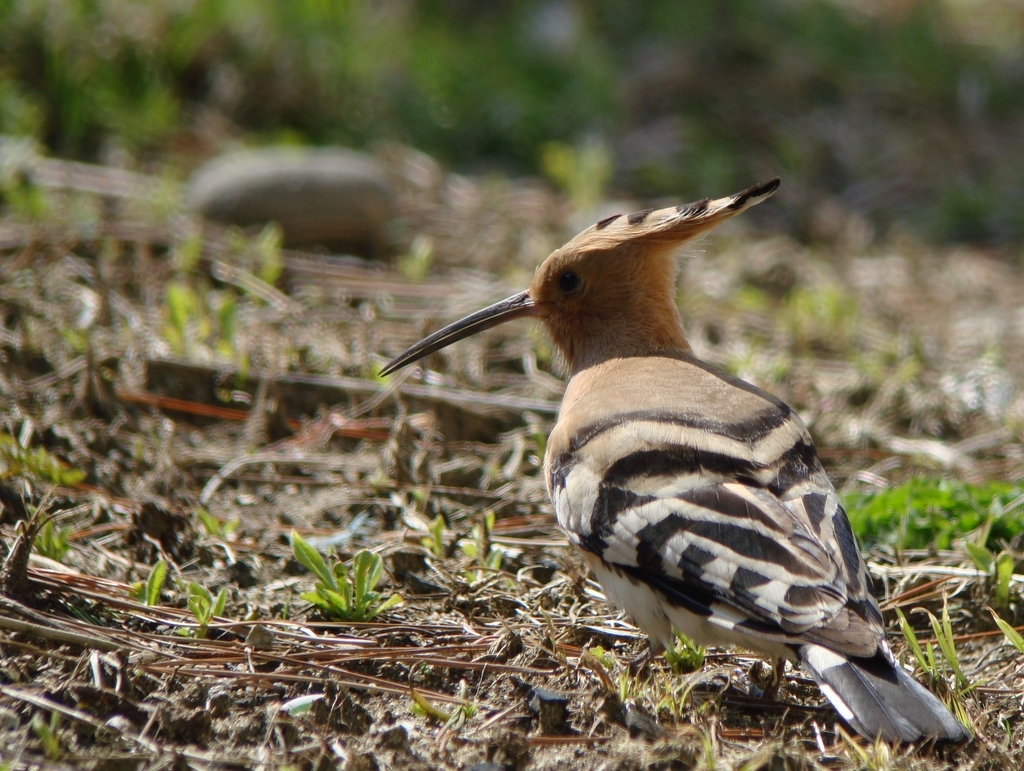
[{"x": 903, "y": 362}]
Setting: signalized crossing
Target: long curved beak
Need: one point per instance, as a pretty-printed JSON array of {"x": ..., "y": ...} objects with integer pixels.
[{"x": 514, "y": 307}]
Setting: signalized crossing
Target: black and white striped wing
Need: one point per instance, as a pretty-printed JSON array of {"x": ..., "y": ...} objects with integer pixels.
[{"x": 735, "y": 532}]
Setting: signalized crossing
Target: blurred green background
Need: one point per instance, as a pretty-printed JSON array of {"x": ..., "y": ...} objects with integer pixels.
[{"x": 905, "y": 114}]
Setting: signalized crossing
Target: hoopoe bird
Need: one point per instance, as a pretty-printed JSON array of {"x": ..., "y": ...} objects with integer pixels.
[{"x": 696, "y": 498}]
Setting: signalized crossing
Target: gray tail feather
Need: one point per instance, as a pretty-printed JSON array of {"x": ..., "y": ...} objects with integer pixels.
[{"x": 880, "y": 700}]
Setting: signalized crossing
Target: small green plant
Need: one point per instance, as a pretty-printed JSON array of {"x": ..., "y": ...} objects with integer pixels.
[
  {"x": 685, "y": 656},
  {"x": 999, "y": 567},
  {"x": 451, "y": 720},
  {"x": 434, "y": 541},
  {"x": 1003, "y": 576},
  {"x": 632, "y": 687},
  {"x": 708, "y": 750},
  {"x": 341, "y": 592},
  {"x": 478, "y": 547},
  {"x": 1015, "y": 638},
  {"x": 16, "y": 460},
  {"x": 673, "y": 693},
  {"x": 929, "y": 663},
  {"x": 148, "y": 592},
  {"x": 605, "y": 658},
  {"x": 873, "y": 757},
  {"x": 981, "y": 557},
  {"x": 925, "y": 657},
  {"x": 943, "y": 630},
  {"x": 214, "y": 527},
  {"x": 268, "y": 253},
  {"x": 602, "y": 664},
  {"x": 416, "y": 264},
  {"x": 204, "y": 607},
  {"x": 52, "y": 542},
  {"x": 47, "y": 733},
  {"x": 195, "y": 315},
  {"x": 182, "y": 308}
]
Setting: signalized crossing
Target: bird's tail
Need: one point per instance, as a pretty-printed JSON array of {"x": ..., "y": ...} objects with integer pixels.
[{"x": 879, "y": 699}]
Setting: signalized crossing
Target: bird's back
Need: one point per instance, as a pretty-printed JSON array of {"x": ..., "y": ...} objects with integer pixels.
[{"x": 711, "y": 487}]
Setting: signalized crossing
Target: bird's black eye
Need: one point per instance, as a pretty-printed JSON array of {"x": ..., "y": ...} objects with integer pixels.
[{"x": 568, "y": 282}]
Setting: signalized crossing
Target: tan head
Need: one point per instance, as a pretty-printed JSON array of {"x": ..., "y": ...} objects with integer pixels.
[{"x": 610, "y": 291}]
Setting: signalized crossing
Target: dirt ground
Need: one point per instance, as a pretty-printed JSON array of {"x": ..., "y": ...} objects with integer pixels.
[{"x": 218, "y": 393}]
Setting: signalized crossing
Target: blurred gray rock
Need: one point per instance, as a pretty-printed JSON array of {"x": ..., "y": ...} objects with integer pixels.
[{"x": 329, "y": 197}]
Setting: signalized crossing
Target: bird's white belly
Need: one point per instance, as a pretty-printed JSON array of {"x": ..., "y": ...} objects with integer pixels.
[{"x": 657, "y": 617}]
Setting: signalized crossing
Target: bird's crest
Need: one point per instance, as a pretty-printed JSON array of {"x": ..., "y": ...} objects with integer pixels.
[{"x": 673, "y": 225}]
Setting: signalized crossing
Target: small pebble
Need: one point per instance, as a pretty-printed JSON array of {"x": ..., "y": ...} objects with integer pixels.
[
  {"x": 551, "y": 709},
  {"x": 260, "y": 637}
]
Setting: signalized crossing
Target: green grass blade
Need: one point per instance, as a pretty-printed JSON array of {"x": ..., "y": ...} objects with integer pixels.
[
  {"x": 310, "y": 559},
  {"x": 1004, "y": 573},
  {"x": 155, "y": 583},
  {"x": 981, "y": 557},
  {"x": 390, "y": 602},
  {"x": 944, "y": 637},
  {"x": 338, "y": 603},
  {"x": 222, "y": 600},
  {"x": 1015, "y": 638},
  {"x": 915, "y": 647},
  {"x": 315, "y": 598}
]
